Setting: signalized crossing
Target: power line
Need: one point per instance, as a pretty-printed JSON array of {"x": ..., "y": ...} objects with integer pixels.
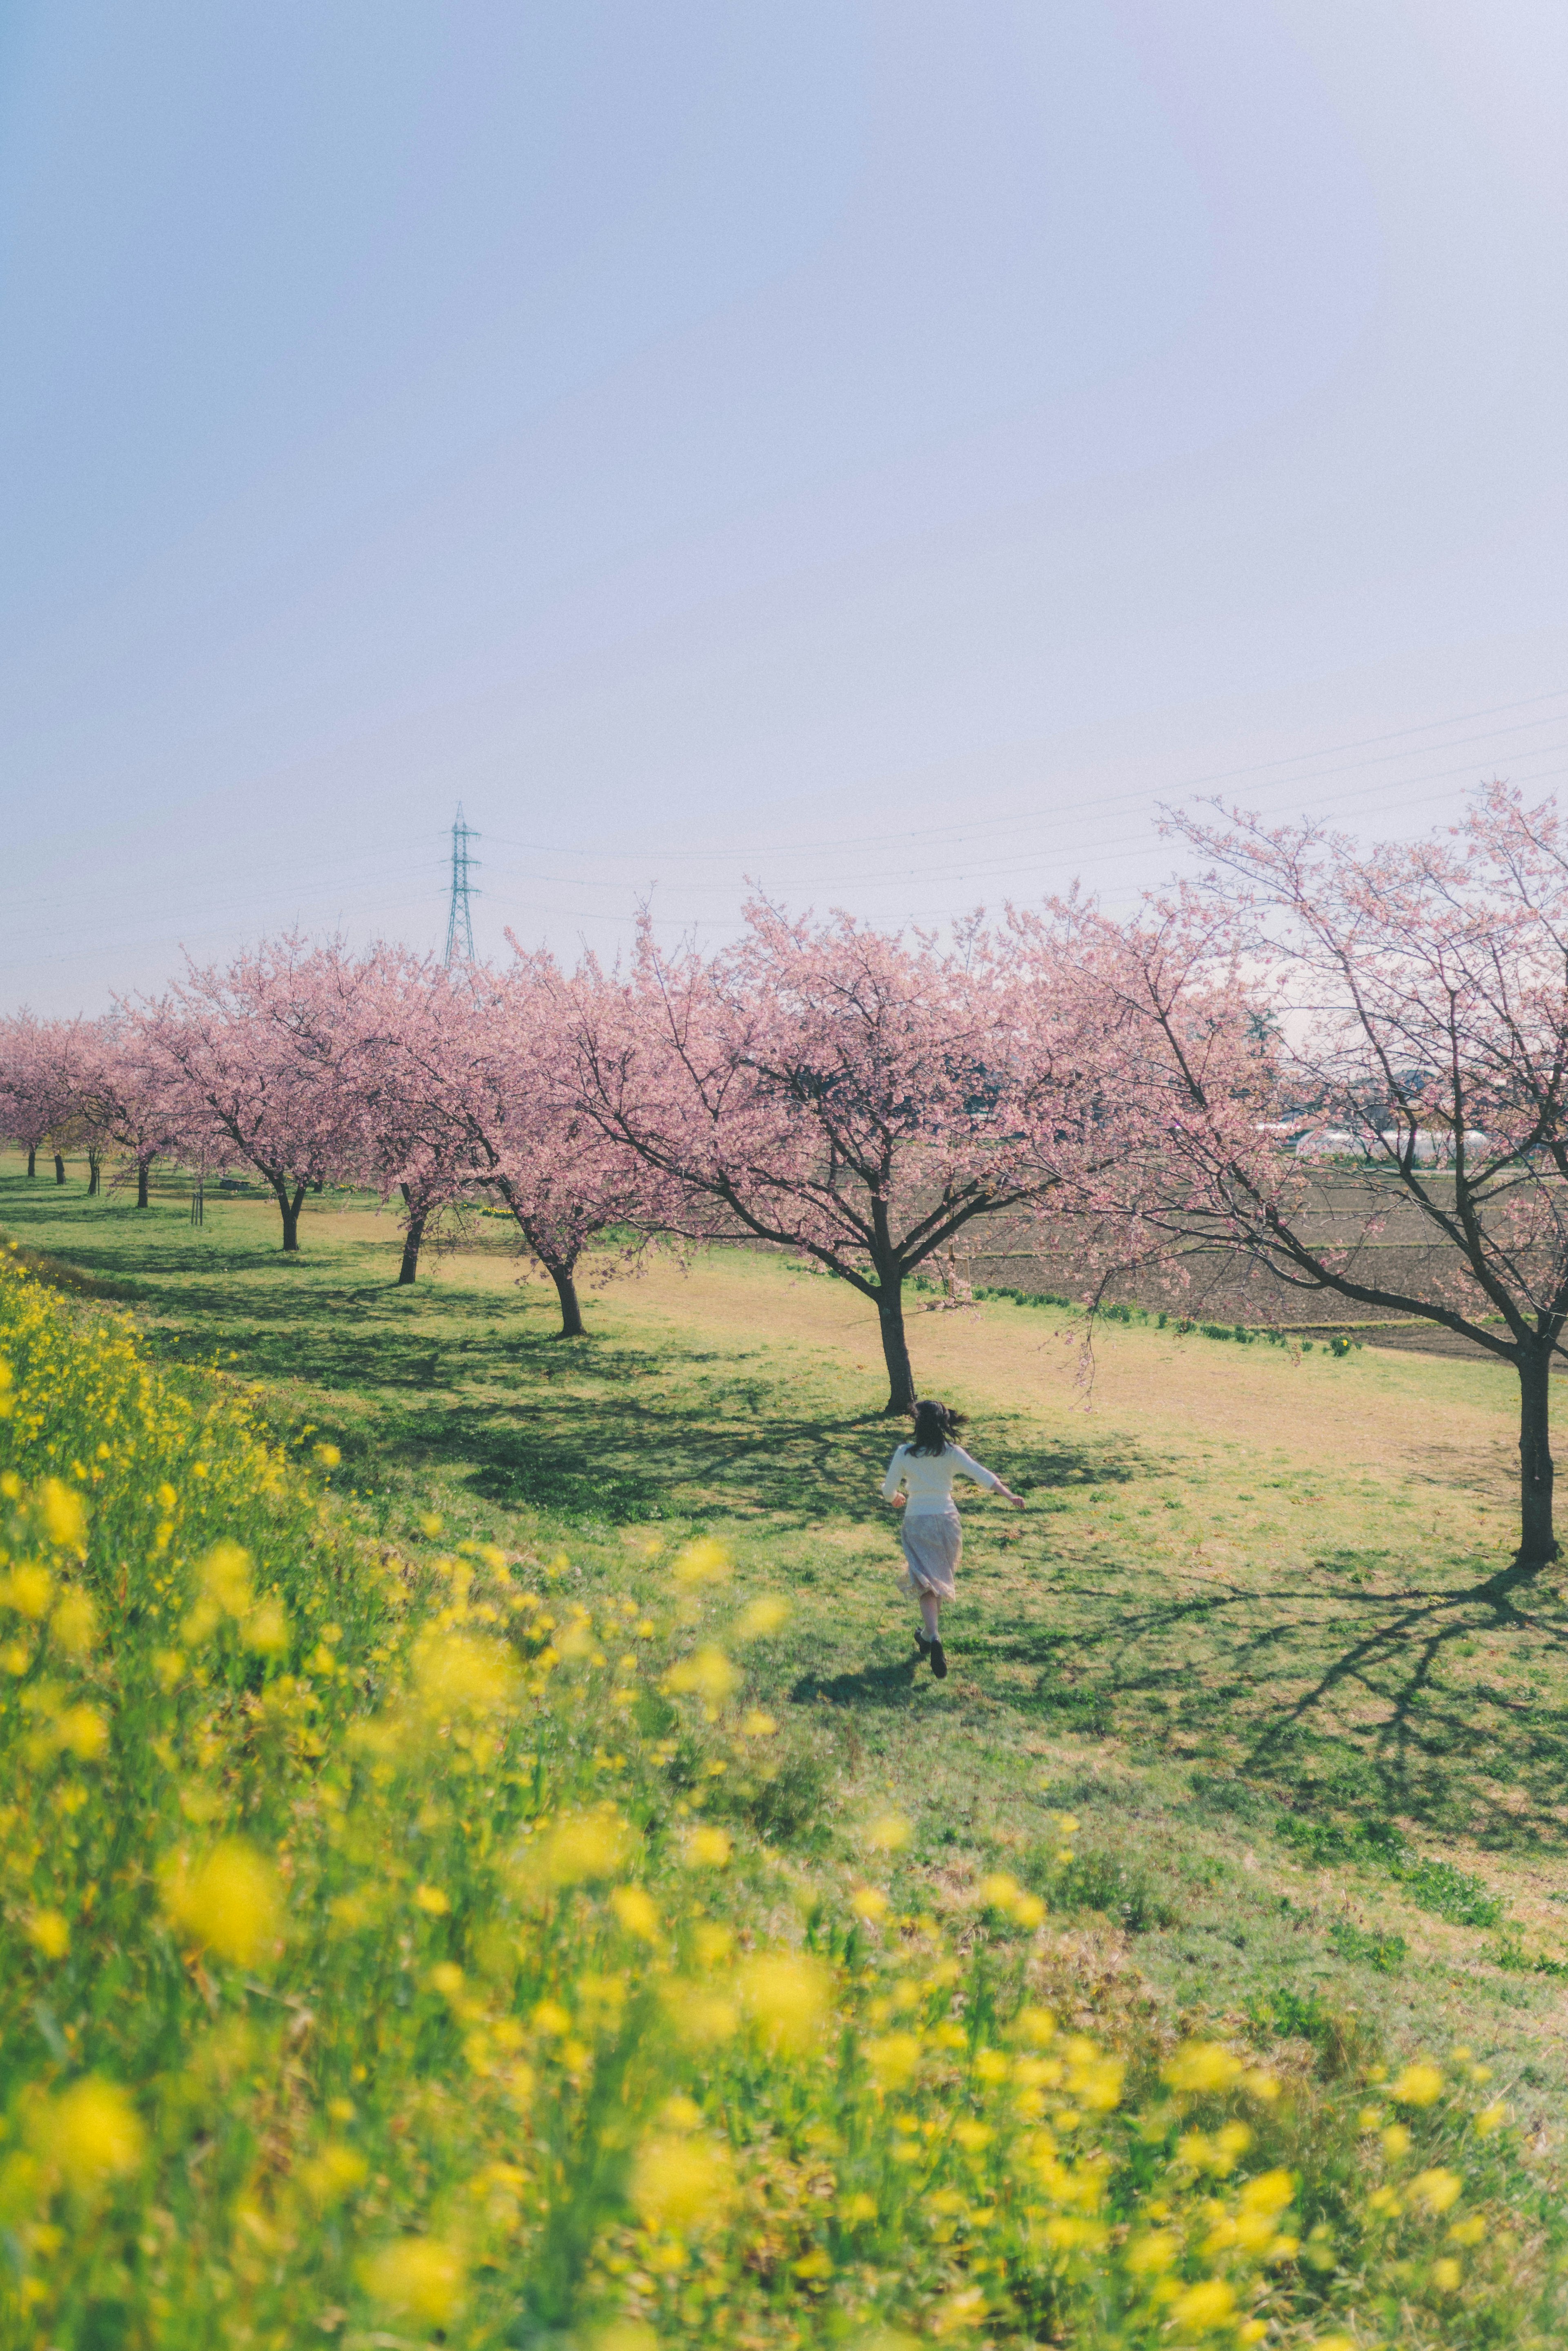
[
  {"x": 460, "y": 918},
  {"x": 1098, "y": 803}
]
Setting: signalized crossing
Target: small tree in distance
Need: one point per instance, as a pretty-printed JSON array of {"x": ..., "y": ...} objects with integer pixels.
[
  {"x": 825, "y": 1086},
  {"x": 236, "y": 1062},
  {"x": 119, "y": 1102},
  {"x": 38, "y": 1096},
  {"x": 1412, "y": 996}
]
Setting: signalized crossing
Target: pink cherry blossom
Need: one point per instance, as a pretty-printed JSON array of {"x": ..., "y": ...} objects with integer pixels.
[
  {"x": 1410, "y": 1002},
  {"x": 857, "y": 1097}
]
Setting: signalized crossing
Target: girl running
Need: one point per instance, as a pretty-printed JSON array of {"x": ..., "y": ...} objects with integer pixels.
[{"x": 919, "y": 1482}]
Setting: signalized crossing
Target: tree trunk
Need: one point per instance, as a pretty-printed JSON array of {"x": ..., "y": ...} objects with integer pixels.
[
  {"x": 94, "y": 1173},
  {"x": 290, "y": 1205},
  {"x": 1537, "y": 1543},
  {"x": 412, "y": 1234},
  {"x": 59, "y": 1170},
  {"x": 566, "y": 1290},
  {"x": 142, "y": 1168},
  {"x": 32, "y": 1161},
  {"x": 894, "y": 1347}
]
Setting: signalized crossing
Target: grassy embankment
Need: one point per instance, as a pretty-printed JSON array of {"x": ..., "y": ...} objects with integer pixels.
[{"x": 1247, "y": 1634}]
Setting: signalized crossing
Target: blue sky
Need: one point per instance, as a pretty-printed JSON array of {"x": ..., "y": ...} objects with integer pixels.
[{"x": 880, "y": 450}]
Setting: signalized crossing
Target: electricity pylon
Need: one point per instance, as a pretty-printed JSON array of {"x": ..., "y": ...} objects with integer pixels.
[{"x": 460, "y": 921}]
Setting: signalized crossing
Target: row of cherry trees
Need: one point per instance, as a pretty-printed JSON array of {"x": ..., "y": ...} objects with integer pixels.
[{"x": 864, "y": 1098}]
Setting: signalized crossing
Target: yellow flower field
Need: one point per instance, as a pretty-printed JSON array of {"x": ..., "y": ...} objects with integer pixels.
[{"x": 372, "y": 1976}]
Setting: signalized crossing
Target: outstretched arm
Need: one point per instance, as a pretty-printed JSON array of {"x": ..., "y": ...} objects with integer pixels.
[{"x": 970, "y": 1468}]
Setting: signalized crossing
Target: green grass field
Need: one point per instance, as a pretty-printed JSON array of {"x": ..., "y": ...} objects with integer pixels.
[{"x": 1254, "y": 1629}]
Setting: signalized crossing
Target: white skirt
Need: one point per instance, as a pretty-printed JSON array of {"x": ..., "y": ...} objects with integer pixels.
[{"x": 933, "y": 1543}]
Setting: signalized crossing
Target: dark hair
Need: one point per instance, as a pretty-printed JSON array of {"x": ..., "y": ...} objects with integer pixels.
[{"x": 935, "y": 1427}]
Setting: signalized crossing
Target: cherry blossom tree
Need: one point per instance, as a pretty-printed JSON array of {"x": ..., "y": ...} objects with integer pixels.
[
  {"x": 399, "y": 1042},
  {"x": 467, "y": 1080},
  {"x": 843, "y": 1093},
  {"x": 1411, "y": 999},
  {"x": 120, "y": 1102},
  {"x": 38, "y": 1095},
  {"x": 238, "y": 1063},
  {"x": 564, "y": 1177}
]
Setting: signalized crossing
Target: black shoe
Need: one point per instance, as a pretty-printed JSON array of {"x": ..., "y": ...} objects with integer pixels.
[
  {"x": 939, "y": 1656},
  {"x": 923, "y": 1642}
]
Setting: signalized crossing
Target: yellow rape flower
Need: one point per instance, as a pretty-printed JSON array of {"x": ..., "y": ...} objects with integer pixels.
[
  {"x": 92, "y": 2133},
  {"x": 230, "y": 1903},
  {"x": 585, "y": 1845},
  {"x": 708, "y": 1848},
  {"x": 1436, "y": 2190},
  {"x": 786, "y": 1994},
  {"x": 417, "y": 2275},
  {"x": 456, "y": 1674},
  {"x": 703, "y": 1562},
  {"x": 709, "y": 1674},
  {"x": 224, "y": 1576},
  {"x": 1069, "y": 2234},
  {"x": 889, "y": 1833},
  {"x": 1035, "y": 2024},
  {"x": 1419, "y": 2086},
  {"x": 81, "y": 1732},
  {"x": 74, "y": 1624},
  {"x": 701, "y": 2018},
  {"x": 636, "y": 1913},
  {"x": 1096, "y": 2083},
  {"x": 675, "y": 2182},
  {"x": 48, "y": 1933},
  {"x": 28, "y": 1590},
  {"x": 1269, "y": 2193},
  {"x": 760, "y": 1618},
  {"x": 333, "y": 2174},
  {"x": 893, "y": 2060},
  {"x": 1202, "y": 2067},
  {"x": 266, "y": 1629},
  {"x": 1203, "y": 2307},
  {"x": 64, "y": 1516}
]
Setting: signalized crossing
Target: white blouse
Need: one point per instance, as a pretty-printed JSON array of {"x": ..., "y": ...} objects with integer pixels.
[{"x": 927, "y": 1477}]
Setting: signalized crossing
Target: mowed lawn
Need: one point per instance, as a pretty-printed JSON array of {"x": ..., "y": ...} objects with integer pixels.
[{"x": 1254, "y": 1631}]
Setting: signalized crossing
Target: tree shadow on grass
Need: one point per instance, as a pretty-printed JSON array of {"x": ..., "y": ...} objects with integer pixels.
[
  {"x": 478, "y": 1384},
  {"x": 1394, "y": 1703}
]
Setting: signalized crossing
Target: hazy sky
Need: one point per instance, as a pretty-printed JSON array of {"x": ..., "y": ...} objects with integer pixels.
[{"x": 882, "y": 449}]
